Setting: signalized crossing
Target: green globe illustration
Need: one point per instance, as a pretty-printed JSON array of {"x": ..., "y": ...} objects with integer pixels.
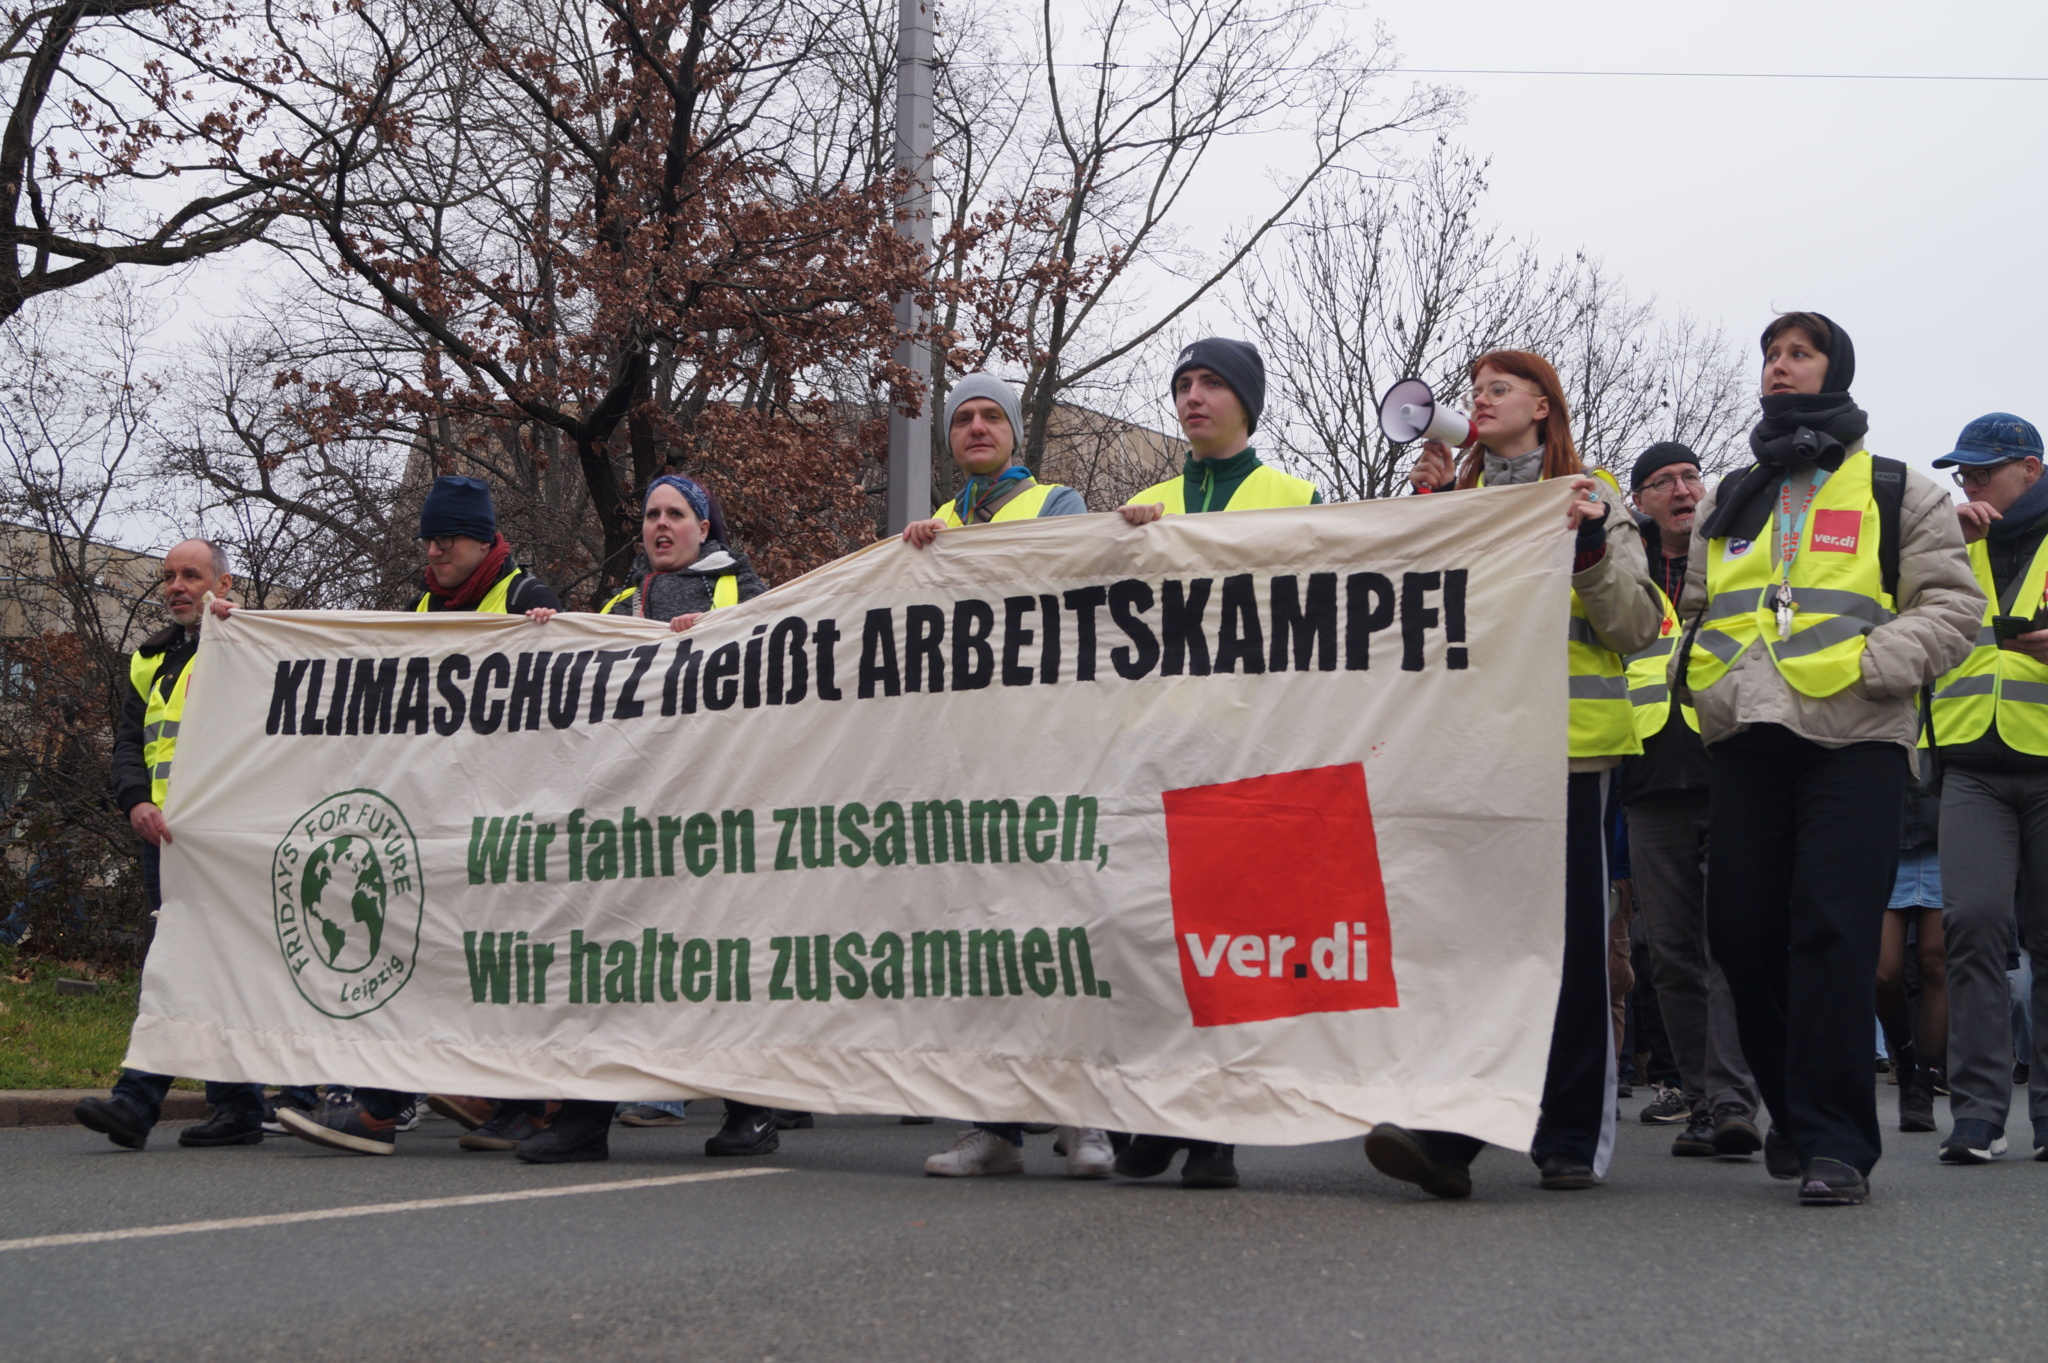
[{"x": 342, "y": 890}]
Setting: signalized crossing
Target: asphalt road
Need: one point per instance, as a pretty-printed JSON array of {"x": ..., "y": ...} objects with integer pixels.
[{"x": 851, "y": 1253}]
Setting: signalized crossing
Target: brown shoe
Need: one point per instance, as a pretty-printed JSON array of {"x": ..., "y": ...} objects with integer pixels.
[{"x": 471, "y": 1113}]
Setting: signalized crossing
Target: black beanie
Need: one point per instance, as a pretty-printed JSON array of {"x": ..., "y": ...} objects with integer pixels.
[
  {"x": 1836, "y": 345},
  {"x": 1238, "y": 364},
  {"x": 459, "y": 506},
  {"x": 1663, "y": 454}
]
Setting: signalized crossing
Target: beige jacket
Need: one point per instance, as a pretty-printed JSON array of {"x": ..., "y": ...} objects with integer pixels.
[
  {"x": 1939, "y": 610},
  {"x": 1620, "y": 600}
]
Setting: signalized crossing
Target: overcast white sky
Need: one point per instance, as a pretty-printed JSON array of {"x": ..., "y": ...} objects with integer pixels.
[{"x": 1910, "y": 212}]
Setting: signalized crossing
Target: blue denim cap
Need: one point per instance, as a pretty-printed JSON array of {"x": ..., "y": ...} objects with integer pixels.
[{"x": 1992, "y": 439}]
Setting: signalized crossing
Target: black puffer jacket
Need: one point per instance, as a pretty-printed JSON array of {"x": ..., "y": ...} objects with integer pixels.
[{"x": 687, "y": 589}]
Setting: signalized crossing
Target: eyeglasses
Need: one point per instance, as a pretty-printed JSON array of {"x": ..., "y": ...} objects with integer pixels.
[
  {"x": 1977, "y": 475},
  {"x": 1676, "y": 480},
  {"x": 1498, "y": 389},
  {"x": 444, "y": 543}
]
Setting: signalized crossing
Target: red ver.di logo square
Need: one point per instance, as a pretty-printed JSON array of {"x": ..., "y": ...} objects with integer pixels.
[
  {"x": 1278, "y": 906},
  {"x": 1837, "y": 532}
]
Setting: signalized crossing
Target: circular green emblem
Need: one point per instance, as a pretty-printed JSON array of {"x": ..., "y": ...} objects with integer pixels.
[{"x": 346, "y": 892}]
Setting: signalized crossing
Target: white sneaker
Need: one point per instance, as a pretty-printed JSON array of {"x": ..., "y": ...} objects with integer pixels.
[
  {"x": 1088, "y": 1152},
  {"x": 977, "y": 1152}
]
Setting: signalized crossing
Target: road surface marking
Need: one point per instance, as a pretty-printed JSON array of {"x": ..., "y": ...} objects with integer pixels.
[{"x": 371, "y": 1209}]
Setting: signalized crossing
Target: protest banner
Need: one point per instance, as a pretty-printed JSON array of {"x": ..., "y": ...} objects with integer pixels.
[{"x": 1243, "y": 827}]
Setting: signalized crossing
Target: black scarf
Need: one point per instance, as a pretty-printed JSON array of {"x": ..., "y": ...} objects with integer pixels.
[{"x": 1798, "y": 430}]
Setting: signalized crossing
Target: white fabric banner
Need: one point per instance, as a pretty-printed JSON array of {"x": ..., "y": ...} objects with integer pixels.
[{"x": 1243, "y": 827}]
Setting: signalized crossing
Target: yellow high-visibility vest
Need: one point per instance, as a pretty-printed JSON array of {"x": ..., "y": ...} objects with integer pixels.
[
  {"x": 1838, "y": 595},
  {"x": 1263, "y": 487},
  {"x": 161, "y": 717},
  {"x": 493, "y": 602},
  {"x": 1997, "y": 685},
  {"x": 1603, "y": 722},
  {"x": 725, "y": 591},
  {"x": 1649, "y": 691},
  {"x": 1022, "y": 506}
]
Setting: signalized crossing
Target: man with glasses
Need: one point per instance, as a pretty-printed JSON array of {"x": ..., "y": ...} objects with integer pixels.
[
  {"x": 1664, "y": 793},
  {"x": 469, "y": 568},
  {"x": 1990, "y": 724}
]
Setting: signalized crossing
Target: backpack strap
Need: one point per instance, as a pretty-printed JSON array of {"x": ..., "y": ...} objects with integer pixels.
[{"x": 1888, "y": 486}]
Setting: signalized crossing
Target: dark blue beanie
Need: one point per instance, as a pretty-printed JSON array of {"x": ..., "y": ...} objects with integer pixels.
[
  {"x": 1239, "y": 366},
  {"x": 459, "y": 506}
]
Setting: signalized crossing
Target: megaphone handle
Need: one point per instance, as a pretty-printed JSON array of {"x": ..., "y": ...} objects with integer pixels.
[{"x": 1434, "y": 468}]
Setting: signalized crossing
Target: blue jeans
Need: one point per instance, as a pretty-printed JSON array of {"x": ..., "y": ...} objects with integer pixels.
[
  {"x": 1013, "y": 1132},
  {"x": 147, "y": 1091}
]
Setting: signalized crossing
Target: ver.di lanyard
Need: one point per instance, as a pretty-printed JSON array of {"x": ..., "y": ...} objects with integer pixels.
[{"x": 1791, "y": 530}]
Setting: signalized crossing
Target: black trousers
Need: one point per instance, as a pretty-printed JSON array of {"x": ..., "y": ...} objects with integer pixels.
[
  {"x": 1802, "y": 851},
  {"x": 1577, "y": 1120}
]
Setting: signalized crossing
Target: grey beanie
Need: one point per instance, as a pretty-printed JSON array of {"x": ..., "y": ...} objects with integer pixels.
[{"x": 995, "y": 390}]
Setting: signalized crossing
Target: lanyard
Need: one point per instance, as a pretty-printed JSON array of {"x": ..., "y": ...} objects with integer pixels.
[{"x": 1793, "y": 529}]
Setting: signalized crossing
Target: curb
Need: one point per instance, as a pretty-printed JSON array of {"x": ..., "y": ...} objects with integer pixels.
[{"x": 52, "y": 1107}]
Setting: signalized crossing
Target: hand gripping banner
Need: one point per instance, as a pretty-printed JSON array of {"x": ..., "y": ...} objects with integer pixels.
[{"x": 1244, "y": 827}]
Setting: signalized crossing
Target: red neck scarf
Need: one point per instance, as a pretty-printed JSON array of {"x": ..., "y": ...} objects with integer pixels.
[{"x": 473, "y": 588}]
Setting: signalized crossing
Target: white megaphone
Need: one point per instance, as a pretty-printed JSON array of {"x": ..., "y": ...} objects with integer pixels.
[{"x": 1409, "y": 411}]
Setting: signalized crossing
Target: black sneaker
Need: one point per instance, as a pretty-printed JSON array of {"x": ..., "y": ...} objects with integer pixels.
[
  {"x": 223, "y": 1127},
  {"x": 1780, "y": 1159},
  {"x": 1563, "y": 1174},
  {"x": 785, "y": 1120},
  {"x": 1669, "y": 1107},
  {"x": 1209, "y": 1165},
  {"x": 1916, "y": 1099},
  {"x": 1147, "y": 1156},
  {"x": 1735, "y": 1134},
  {"x": 1831, "y": 1183},
  {"x": 745, "y": 1133},
  {"x": 119, "y": 1120},
  {"x": 1973, "y": 1141},
  {"x": 508, "y": 1128},
  {"x": 2041, "y": 1139},
  {"x": 1697, "y": 1139},
  {"x": 271, "y": 1125},
  {"x": 1412, "y": 1157},
  {"x": 408, "y": 1118},
  {"x": 570, "y": 1139},
  {"x": 342, "y": 1126}
]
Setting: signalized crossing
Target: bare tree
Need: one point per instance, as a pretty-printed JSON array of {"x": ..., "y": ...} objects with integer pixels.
[
  {"x": 1385, "y": 279},
  {"x": 1089, "y": 259},
  {"x": 111, "y": 115},
  {"x": 76, "y": 395}
]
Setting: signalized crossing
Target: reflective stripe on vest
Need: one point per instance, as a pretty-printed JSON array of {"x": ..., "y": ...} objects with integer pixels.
[
  {"x": 1263, "y": 487},
  {"x": 1022, "y": 506},
  {"x": 725, "y": 591},
  {"x": 1648, "y": 690},
  {"x": 1837, "y": 586},
  {"x": 162, "y": 716},
  {"x": 1603, "y": 722},
  {"x": 1993, "y": 683},
  {"x": 493, "y": 602}
]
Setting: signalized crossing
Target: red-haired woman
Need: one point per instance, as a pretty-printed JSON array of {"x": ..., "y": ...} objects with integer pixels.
[{"x": 1522, "y": 433}]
